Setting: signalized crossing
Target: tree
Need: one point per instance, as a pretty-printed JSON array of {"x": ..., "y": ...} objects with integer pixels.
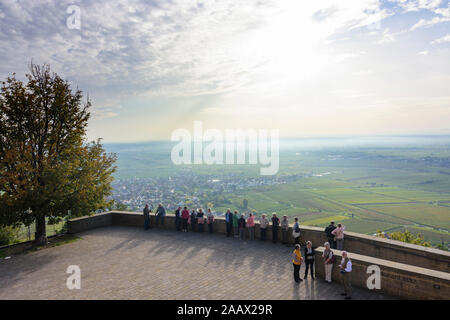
[
  {"x": 119, "y": 206},
  {"x": 46, "y": 165}
]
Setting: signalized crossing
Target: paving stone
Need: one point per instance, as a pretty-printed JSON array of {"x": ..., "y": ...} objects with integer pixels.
[{"x": 130, "y": 263}]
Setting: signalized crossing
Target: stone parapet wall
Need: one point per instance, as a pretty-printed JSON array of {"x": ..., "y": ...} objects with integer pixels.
[{"x": 396, "y": 279}]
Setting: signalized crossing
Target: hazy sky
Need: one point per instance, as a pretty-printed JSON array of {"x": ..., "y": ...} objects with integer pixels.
[{"x": 307, "y": 68}]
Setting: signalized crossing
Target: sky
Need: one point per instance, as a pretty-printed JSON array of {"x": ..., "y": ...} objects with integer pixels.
[{"x": 307, "y": 68}]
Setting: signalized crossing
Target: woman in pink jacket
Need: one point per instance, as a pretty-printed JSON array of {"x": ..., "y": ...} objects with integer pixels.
[
  {"x": 251, "y": 226},
  {"x": 185, "y": 218},
  {"x": 339, "y": 235}
]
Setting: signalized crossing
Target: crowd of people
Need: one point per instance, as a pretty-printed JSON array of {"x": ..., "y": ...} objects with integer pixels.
[{"x": 242, "y": 226}]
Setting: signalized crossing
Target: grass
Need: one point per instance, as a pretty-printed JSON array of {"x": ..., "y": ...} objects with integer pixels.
[
  {"x": 50, "y": 230},
  {"x": 324, "y": 221},
  {"x": 428, "y": 215}
]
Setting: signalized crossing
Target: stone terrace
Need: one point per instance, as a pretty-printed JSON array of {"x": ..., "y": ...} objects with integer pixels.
[{"x": 130, "y": 263}]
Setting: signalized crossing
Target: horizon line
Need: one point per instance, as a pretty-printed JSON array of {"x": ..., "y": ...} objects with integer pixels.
[{"x": 415, "y": 135}]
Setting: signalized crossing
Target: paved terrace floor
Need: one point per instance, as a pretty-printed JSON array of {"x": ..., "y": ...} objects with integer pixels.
[{"x": 130, "y": 263}]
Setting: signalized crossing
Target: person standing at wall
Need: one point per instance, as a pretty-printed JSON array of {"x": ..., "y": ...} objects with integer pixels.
[
  {"x": 146, "y": 212},
  {"x": 297, "y": 262},
  {"x": 178, "y": 219},
  {"x": 193, "y": 219},
  {"x": 210, "y": 220},
  {"x": 160, "y": 214},
  {"x": 328, "y": 260},
  {"x": 330, "y": 235},
  {"x": 229, "y": 221},
  {"x": 185, "y": 219},
  {"x": 346, "y": 270},
  {"x": 275, "y": 225},
  {"x": 339, "y": 233},
  {"x": 251, "y": 226},
  {"x": 284, "y": 230},
  {"x": 236, "y": 224},
  {"x": 309, "y": 259},
  {"x": 263, "y": 227},
  {"x": 200, "y": 219},
  {"x": 296, "y": 231},
  {"x": 242, "y": 226}
]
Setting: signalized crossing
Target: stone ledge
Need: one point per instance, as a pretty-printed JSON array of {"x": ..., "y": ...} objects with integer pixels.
[{"x": 397, "y": 279}]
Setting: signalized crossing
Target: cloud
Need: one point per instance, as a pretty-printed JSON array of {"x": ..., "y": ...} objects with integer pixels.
[
  {"x": 416, "y": 5},
  {"x": 170, "y": 48},
  {"x": 423, "y": 53},
  {"x": 170, "y": 60},
  {"x": 101, "y": 113},
  {"x": 443, "y": 39},
  {"x": 428, "y": 23},
  {"x": 387, "y": 37},
  {"x": 350, "y": 55},
  {"x": 442, "y": 15}
]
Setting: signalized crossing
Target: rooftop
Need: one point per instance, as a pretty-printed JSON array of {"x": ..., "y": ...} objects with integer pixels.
[{"x": 129, "y": 263}]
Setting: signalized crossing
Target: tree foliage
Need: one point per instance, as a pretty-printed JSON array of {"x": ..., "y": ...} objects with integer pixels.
[
  {"x": 116, "y": 205},
  {"x": 8, "y": 235},
  {"x": 405, "y": 236},
  {"x": 46, "y": 165}
]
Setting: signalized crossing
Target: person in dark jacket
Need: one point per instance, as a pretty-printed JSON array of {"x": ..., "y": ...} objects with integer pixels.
[
  {"x": 160, "y": 214},
  {"x": 242, "y": 225},
  {"x": 178, "y": 219},
  {"x": 193, "y": 221},
  {"x": 200, "y": 219},
  {"x": 229, "y": 221},
  {"x": 275, "y": 225},
  {"x": 330, "y": 236},
  {"x": 309, "y": 255},
  {"x": 296, "y": 231},
  {"x": 146, "y": 212}
]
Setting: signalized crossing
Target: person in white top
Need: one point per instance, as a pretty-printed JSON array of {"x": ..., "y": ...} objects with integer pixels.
[
  {"x": 328, "y": 260},
  {"x": 263, "y": 223},
  {"x": 346, "y": 269}
]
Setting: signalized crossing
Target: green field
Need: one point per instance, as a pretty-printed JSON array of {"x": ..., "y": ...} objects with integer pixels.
[{"x": 365, "y": 188}]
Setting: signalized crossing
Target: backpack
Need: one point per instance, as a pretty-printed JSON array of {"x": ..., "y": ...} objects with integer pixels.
[{"x": 333, "y": 258}]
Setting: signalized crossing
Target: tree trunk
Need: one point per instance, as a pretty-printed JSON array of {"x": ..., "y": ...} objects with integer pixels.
[{"x": 40, "y": 236}]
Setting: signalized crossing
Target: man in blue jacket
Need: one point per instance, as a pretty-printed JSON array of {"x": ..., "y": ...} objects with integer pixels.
[
  {"x": 229, "y": 221},
  {"x": 160, "y": 214}
]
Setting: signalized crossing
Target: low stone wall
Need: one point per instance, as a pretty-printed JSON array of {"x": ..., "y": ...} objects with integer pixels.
[
  {"x": 396, "y": 279},
  {"x": 90, "y": 222}
]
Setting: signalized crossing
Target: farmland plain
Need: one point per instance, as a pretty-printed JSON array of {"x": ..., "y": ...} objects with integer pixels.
[{"x": 368, "y": 187}]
